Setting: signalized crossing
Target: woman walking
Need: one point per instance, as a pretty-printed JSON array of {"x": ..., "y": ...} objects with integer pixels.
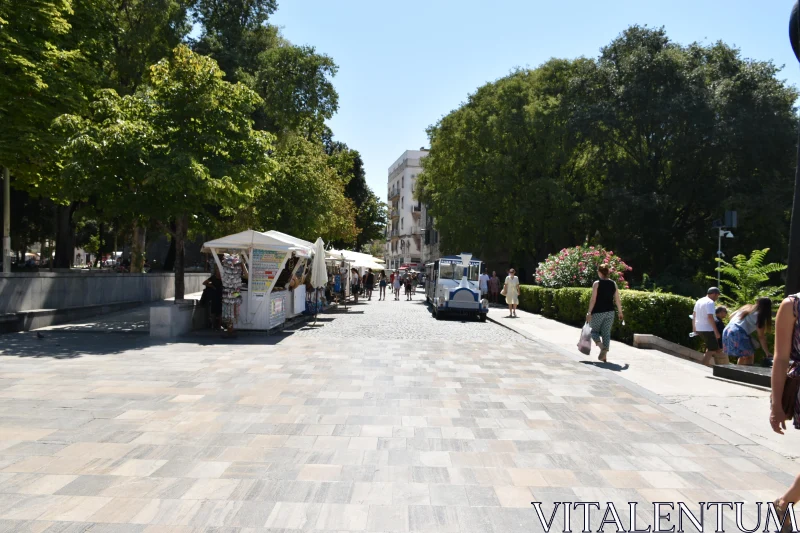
[
  {"x": 786, "y": 364},
  {"x": 748, "y": 319},
  {"x": 396, "y": 286},
  {"x": 511, "y": 291},
  {"x": 356, "y": 286},
  {"x": 494, "y": 288},
  {"x": 601, "y": 310},
  {"x": 382, "y": 284}
]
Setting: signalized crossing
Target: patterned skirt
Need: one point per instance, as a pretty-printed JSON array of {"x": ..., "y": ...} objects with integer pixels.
[{"x": 736, "y": 342}]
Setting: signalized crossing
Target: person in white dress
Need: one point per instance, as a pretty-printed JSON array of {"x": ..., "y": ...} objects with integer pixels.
[{"x": 511, "y": 291}]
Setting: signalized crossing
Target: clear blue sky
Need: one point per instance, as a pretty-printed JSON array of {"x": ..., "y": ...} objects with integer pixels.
[{"x": 405, "y": 64}]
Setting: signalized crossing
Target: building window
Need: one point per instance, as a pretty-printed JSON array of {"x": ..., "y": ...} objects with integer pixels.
[
  {"x": 402, "y": 203},
  {"x": 403, "y": 181},
  {"x": 401, "y": 223}
]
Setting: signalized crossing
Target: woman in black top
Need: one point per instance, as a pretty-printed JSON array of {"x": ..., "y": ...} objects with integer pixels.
[{"x": 601, "y": 310}]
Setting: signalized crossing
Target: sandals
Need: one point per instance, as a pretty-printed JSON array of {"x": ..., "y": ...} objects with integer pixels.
[
  {"x": 787, "y": 524},
  {"x": 603, "y": 355}
]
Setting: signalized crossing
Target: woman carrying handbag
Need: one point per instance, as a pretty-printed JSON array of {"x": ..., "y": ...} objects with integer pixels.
[
  {"x": 511, "y": 292},
  {"x": 786, "y": 385}
]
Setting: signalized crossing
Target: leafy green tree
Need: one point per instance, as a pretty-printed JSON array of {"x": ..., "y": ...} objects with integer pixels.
[
  {"x": 120, "y": 39},
  {"x": 684, "y": 132},
  {"x": 305, "y": 197},
  {"x": 507, "y": 158},
  {"x": 181, "y": 142},
  {"x": 37, "y": 85},
  {"x": 747, "y": 278},
  {"x": 638, "y": 150},
  {"x": 63, "y": 52},
  {"x": 370, "y": 220},
  {"x": 35, "y": 79},
  {"x": 370, "y": 213},
  {"x": 294, "y": 82}
]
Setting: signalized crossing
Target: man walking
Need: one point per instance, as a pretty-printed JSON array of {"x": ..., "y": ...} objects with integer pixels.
[
  {"x": 370, "y": 283},
  {"x": 483, "y": 284},
  {"x": 705, "y": 325}
]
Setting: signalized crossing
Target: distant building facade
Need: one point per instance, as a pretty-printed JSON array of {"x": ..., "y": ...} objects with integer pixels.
[{"x": 410, "y": 237}]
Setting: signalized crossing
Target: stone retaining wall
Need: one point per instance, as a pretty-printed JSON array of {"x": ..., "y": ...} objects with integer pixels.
[{"x": 24, "y": 291}]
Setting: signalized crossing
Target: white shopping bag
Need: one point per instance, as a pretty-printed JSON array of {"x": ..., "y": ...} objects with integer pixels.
[{"x": 585, "y": 342}]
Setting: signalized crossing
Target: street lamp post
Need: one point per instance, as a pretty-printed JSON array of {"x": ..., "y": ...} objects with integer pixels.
[
  {"x": 722, "y": 233},
  {"x": 793, "y": 270}
]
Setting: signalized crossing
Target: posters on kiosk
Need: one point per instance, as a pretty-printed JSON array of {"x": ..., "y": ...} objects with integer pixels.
[{"x": 266, "y": 265}]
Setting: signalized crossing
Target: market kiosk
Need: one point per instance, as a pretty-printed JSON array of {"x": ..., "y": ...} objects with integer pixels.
[
  {"x": 295, "y": 272},
  {"x": 273, "y": 260}
]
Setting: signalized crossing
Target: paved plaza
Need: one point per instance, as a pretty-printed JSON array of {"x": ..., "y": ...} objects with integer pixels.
[{"x": 376, "y": 419}]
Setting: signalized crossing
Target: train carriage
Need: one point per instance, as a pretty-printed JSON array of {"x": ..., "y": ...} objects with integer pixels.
[{"x": 452, "y": 287}]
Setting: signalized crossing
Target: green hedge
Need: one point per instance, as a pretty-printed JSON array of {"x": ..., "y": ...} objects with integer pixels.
[{"x": 663, "y": 315}]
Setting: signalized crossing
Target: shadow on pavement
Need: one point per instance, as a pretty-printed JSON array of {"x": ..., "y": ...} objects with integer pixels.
[
  {"x": 60, "y": 344},
  {"x": 608, "y": 366},
  {"x": 75, "y": 343}
]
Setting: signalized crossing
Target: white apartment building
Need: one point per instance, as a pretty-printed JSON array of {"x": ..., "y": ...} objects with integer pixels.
[{"x": 410, "y": 237}]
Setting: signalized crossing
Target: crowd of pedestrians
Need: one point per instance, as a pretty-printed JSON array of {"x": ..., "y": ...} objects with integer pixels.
[{"x": 405, "y": 281}]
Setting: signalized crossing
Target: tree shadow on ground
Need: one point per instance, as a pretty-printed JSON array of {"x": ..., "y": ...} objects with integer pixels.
[{"x": 72, "y": 344}]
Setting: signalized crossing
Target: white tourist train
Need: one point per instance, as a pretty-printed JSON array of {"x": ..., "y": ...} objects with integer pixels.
[{"x": 451, "y": 287}]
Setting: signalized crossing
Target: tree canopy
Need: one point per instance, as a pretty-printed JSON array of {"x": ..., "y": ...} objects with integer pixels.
[
  {"x": 205, "y": 134},
  {"x": 639, "y": 150},
  {"x": 182, "y": 141}
]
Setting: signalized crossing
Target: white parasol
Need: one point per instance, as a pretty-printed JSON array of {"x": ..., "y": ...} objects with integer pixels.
[{"x": 319, "y": 273}]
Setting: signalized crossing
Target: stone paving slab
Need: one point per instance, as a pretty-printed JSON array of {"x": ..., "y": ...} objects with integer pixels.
[
  {"x": 689, "y": 386},
  {"x": 346, "y": 427}
]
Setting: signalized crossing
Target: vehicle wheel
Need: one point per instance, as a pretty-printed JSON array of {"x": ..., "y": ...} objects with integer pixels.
[
  {"x": 482, "y": 317},
  {"x": 436, "y": 314}
]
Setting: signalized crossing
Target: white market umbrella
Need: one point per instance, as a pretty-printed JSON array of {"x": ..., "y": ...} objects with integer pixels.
[{"x": 319, "y": 273}]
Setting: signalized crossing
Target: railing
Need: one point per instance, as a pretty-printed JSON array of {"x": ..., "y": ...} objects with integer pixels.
[
  {"x": 394, "y": 192},
  {"x": 394, "y": 213}
]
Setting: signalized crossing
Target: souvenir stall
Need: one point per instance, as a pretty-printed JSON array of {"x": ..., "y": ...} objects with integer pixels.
[
  {"x": 346, "y": 260},
  {"x": 295, "y": 273},
  {"x": 263, "y": 298},
  {"x": 340, "y": 275}
]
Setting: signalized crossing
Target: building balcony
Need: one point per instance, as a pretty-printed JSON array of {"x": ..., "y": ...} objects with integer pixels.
[
  {"x": 394, "y": 193},
  {"x": 416, "y": 212},
  {"x": 394, "y": 213}
]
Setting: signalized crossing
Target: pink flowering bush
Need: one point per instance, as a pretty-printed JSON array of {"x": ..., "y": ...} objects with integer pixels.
[{"x": 577, "y": 267}]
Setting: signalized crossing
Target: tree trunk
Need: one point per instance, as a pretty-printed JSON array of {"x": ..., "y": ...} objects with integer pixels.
[
  {"x": 6, "y": 220},
  {"x": 65, "y": 237},
  {"x": 793, "y": 272},
  {"x": 138, "y": 247},
  {"x": 181, "y": 229},
  {"x": 169, "y": 262}
]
